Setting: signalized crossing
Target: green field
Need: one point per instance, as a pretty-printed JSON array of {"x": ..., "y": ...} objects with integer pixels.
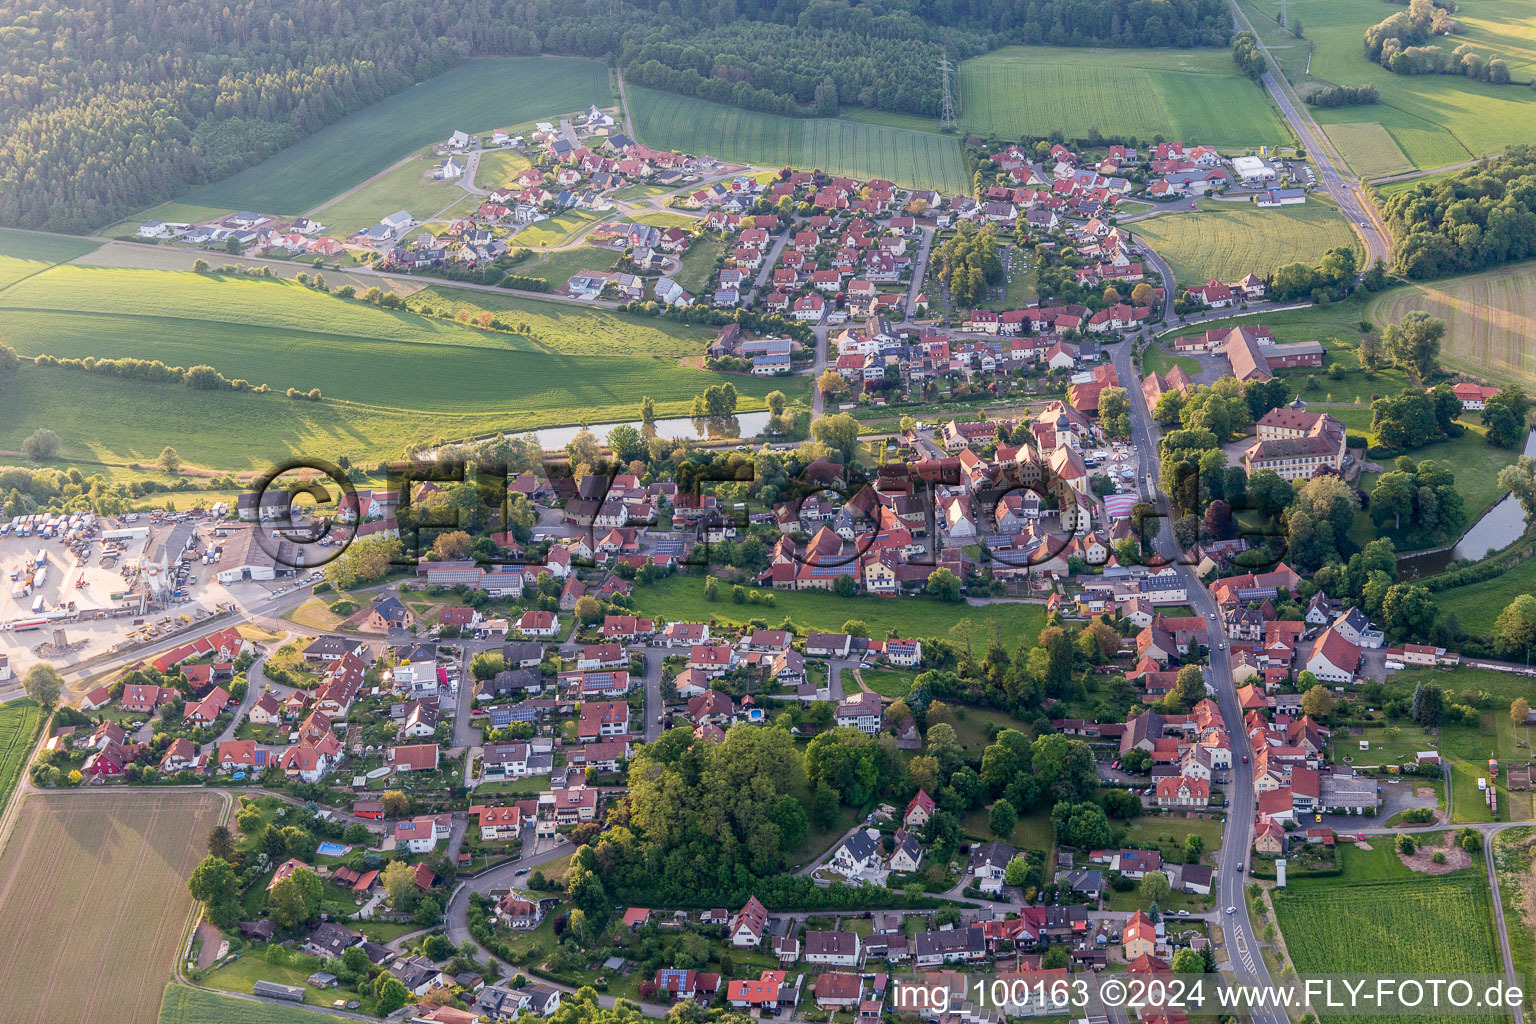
[
  {"x": 24, "y": 253},
  {"x": 408, "y": 187},
  {"x": 1435, "y": 120},
  {"x": 475, "y": 96},
  {"x": 1489, "y": 317},
  {"x": 1226, "y": 241},
  {"x": 389, "y": 377},
  {"x": 857, "y": 149},
  {"x": 20, "y": 721},
  {"x": 1475, "y": 462},
  {"x": 1372, "y": 150},
  {"x": 1477, "y": 605},
  {"x": 183, "y": 1004},
  {"x": 682, "y": 597},
  {"x": 1195, "y": 96},
  {"x": 1375, "y": 927}
]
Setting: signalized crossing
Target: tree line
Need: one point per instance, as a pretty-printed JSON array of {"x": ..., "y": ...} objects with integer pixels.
[
  {"x": 107, "y": 107},
  {"x": 1478, "y": 218}
]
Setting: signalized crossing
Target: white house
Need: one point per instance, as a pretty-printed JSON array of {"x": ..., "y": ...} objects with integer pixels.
[
  {"x": 421, "y": 835},
  {"x": 1333, "y": 659},
  {"x": 989, "y": 863},
  {"x": 855, "y": 855},
  {"x": 749, "y": 925},
  {"x": 836, "y": 949},
  {"x": 862, "y": 711}
]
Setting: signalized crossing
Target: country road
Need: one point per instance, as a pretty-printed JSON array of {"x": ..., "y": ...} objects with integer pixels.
[
  {"x": 1244, "y": 954},
  {"x": 1337, "y": 179}
]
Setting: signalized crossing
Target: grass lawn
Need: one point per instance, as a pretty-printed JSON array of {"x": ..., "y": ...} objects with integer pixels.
[
  {"x": 888, "y": 682},
  {"x": 1434, "y": 119},
  {"x": 475, "y": 96},
  {"x": 1375, "y": 927},
  {"x": 367, "y": 361},
  {"x": 861, "y": 150},
  {"x": 1167, "y": 834},
  {"x": 666, "y": 219},
  {"x": 241, "y": 975},
  {"x": 20, "y": 721},
  {"x": 631, "y": 192},
  {"x": 558, "y": 265},
  {"x": 1225, "y": 240},
  {"x": 1193, "y": 95},
  {"x": 385, "y": 931},
  {"x": 499, "y": 167},
  {"x": 1157, "y": 359},
  {"x": 1488, "y": 320},
  {"x": 1390, "y": 744},
  {"x": 1478, "y": 605},
  {"x": 973, "y": 726},
  {"x": 1475, "y": 462},
  {"x": 314, "y": 614},
  {"x": 818, "y": 841},
  {"x": 183, "y": 1004},
  {"x": 1032, "y": 831},
  {"x": 699, "y": 264},
  {"x": 682, "y": 597},
  {"x": 408, "y": 187},
  {"x": 557, "y": 230},
  {"x": 23, "y": 253}
]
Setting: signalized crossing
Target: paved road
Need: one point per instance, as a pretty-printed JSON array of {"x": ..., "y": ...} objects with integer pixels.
[
  {"x": 1517, "y": 1013},
  {"x": 1334, "y": 174},
  {"x": 919, "y": 272},
  {"x": 1411, "y": 175},
  {"x": 770, "y": 261},
  {"x": 257, "y": 683},
  {"x": 1241, "y": 942}
]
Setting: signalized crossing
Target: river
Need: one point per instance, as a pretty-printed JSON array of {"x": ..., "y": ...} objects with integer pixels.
[{"x": 1496, "y": 529}]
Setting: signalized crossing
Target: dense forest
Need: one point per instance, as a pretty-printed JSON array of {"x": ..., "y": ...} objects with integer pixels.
[
  {"x": 107, "y": 106},
  {"x": 1479, "y": 218}
]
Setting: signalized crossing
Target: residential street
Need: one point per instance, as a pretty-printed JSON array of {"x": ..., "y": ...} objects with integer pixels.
[{"x": 1241, "y": 942}]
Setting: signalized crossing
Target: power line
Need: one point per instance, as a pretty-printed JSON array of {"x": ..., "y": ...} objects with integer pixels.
[{"x": 947, "y": 102}]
